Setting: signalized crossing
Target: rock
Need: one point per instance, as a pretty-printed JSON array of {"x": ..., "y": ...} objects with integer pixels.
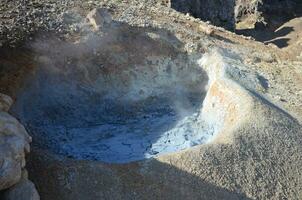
[
  {"x": 14, "y": 143},
  {"x": 247, "y": 9},
  {"x": 24, "y": 190},
  {"x": 268, "y": 11},
  {"x": 5, "y": 102},
  {"x": 206, "y": 29},
  {"x": 99, "y": 17},
  {"x": 208, "y": 10}
]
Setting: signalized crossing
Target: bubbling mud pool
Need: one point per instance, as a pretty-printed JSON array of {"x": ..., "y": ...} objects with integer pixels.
[{"x": 106, "y": 106}]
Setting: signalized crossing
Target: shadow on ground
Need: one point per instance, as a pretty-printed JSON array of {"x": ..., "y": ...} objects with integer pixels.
[
  {"x": 269, "y": 36},
  {"x": 77, "y": 180},
  {"x": 281, "y": 20}
]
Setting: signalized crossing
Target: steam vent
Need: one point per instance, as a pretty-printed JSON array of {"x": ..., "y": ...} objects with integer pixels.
[
  {"x": 131, "y": 99},
  {"x": 135, "y": 100}
]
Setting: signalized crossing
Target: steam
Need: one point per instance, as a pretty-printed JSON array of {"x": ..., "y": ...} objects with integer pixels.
[{"x": 115, "y": 94}]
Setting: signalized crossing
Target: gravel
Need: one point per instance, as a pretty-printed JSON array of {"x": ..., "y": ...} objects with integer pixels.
[{"x": 20, "y": 19}]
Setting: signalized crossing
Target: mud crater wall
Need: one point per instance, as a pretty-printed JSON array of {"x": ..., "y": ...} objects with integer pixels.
[{"x": 124, "y": 95}]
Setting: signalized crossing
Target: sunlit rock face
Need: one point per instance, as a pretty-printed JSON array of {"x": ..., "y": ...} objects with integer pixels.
[{"x": 125, "y": 96}]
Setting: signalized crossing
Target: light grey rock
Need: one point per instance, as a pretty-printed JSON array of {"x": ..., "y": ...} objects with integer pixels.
[
  {"x": 5, "y": 102},
  {"x": 14, "y": 143},
  {"x": 246, "y": 8}
]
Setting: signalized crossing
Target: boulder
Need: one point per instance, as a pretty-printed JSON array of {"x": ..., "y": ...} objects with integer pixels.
[
  {"x": 5, "y": 102},
  {"x": 24, "y": 190},
  {"x": 14, "y": 143}
]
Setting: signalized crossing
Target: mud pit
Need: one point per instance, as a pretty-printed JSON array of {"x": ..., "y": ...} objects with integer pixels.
[
  {"x": 83, "y": 94},
  {"x": 117, "y": 100}
]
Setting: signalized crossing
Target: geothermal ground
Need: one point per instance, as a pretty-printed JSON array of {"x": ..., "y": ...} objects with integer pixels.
[
  {"x": 134, "y": 100},
  {"x": 126, "y": 113}
]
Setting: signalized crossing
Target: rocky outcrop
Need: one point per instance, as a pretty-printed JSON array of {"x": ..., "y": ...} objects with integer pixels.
[
  {"x": 14, "y": 144},
  {"x": 267, "y": 11},
  {"x": 227, "y": 13},
  {"x": 287, "y": 8},
  {"x": 247, "y": 9},
  {"x": 219, "y": 12}
]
